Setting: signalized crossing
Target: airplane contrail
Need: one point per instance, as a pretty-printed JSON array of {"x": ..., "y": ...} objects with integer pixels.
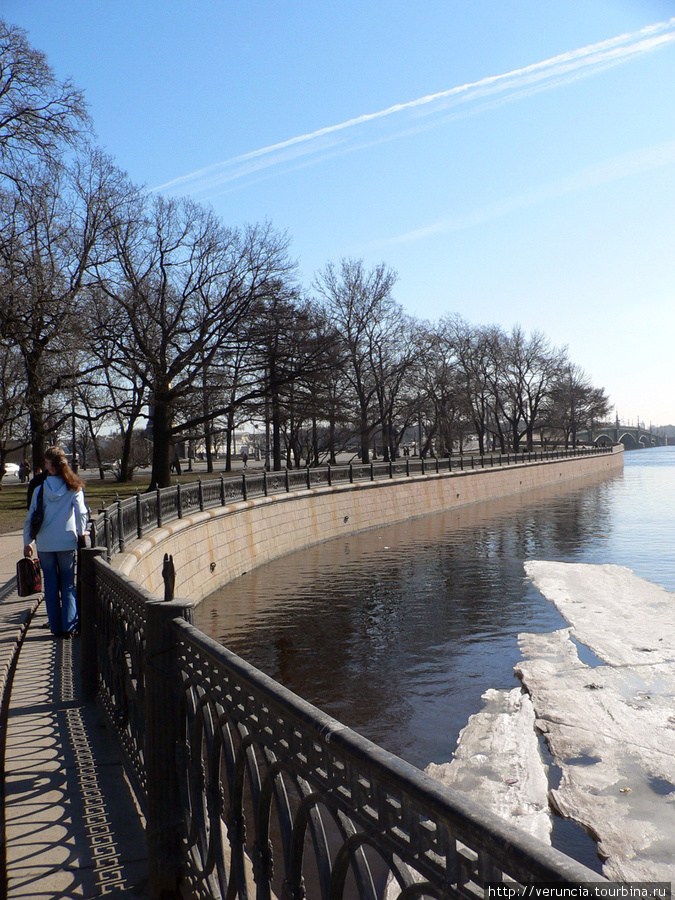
[
  {"x": 607, "y": 171},
  {"x": 537, "y": 76}
]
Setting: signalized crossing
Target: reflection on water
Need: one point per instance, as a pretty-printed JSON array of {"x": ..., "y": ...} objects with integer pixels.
[{"x": 398, "y": 631}]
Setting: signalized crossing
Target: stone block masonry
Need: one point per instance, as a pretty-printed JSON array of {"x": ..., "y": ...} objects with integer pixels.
[{"x": 212, "y": 547}]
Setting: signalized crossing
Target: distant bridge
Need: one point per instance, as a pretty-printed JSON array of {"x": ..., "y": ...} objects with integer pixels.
[{"x": 631, "y": 438}]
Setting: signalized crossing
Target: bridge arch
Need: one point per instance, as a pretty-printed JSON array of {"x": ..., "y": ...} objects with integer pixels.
[{"x": 629, "y": 441}]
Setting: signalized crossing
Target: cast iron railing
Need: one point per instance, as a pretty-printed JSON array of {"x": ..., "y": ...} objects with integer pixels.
[
  {"x": 248, "y": 790},
  {"x": 129, "y": 519}
]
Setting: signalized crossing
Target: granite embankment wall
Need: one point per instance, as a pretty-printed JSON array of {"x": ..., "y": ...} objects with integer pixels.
[{"x": 212, "y": 547}]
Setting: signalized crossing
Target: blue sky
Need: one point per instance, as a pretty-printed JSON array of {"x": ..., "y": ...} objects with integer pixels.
[{"x": 512, "y": 160}]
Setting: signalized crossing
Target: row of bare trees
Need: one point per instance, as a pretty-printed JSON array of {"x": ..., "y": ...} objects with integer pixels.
[
  {"x": 446, "y": 380},
  {"x": 123, "y": 312}
]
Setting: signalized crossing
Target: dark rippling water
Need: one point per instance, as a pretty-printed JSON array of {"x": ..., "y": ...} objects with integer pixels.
[{"x": 398, "y": 631}]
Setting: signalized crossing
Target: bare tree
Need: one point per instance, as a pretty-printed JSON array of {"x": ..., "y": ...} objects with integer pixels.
[
  {"x": 182, "y": 282},
  {"x": 575, "y": 403},
  {"x": 287, "y": 352},
  {"x": 475, "y": 360},
  {"x": 359, "y": 304},
  {"x": 393, "y": 353},
  {"x": 437, "y": 400},
  {"x": 49, "y": 225},
  {"x": 39, "y": 115},
  {"x": 532, "y": 366}
]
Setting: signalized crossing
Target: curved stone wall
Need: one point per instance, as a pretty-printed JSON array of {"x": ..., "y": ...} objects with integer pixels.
[{"x": 212, "y": 547}]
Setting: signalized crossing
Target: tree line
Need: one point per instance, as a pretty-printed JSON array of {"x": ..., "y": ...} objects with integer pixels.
[{"x": 128, "y": 312}]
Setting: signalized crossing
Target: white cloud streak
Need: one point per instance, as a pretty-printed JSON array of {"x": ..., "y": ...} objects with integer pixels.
[
  {"x": 623, "y": 166},
  {"x": 497, "y": 89}
]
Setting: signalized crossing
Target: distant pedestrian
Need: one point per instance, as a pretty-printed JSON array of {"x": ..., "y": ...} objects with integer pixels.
[
  {"x": 63, "y": 525},
  {"x": 244, "y": 458},
  {"x": 24, "y": 471}
]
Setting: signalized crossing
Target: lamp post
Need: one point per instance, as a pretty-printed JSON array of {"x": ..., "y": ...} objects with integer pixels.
[{"x": 267, "y": 420}]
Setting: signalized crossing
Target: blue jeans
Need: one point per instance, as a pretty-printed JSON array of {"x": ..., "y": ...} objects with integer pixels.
[{"x": 58, "y": 570}]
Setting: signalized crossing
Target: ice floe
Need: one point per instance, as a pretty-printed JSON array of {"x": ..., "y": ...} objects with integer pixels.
[{"x": 610, "y": 727}]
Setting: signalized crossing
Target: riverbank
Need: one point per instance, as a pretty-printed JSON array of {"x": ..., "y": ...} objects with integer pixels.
[
  {"x": 214, "y": 545},
  {"x": 607, "y": 720}
]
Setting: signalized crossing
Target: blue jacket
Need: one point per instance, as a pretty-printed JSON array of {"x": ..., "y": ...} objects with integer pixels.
[{"x": 65, "y": 516}]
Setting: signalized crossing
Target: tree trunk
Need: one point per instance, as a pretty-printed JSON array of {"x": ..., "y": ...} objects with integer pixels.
[
  {"x": 276, "y": 431},
  {"x": 208, "y": 447},
  {"x": 228, "y": 441},
  {"x": 126, "y": 469},
  {"x": 161, "y": 446},
  {"x": 315, "y": 441},
  {"x": 37, "y": 430},
  {"x": 365, "y": 440},
  {"x": 332, "y": 458}
]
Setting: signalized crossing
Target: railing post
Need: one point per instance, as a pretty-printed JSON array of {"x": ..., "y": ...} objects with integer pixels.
[
  {"x": 309, "y": 478},
  {"x": 372, "y": 471},
  {"x": 179, "y": 501},
  {"x": 330, "y": 476},
  {"x": 106, "y": 534},
  {"x": 472, "y": 461},
  {"x": 139, "y": 517},
  {"x": 120, "y": 527},
  {"x": 391, "y": 469},
  {"x": 287, "y": 480},
  {"x": 200, "y": 491},
  {"x": 244, "y": 492},
  {"x": 162, "y": 741},
  {"x": 265, "y": 482},
  {"x": 351, "y": 473},
  {"x": 407, "y": 466},
  {"x": 222, "y": 490},
  {"x": 86, "y": 584},
  {"x": 159, "y": 508}
]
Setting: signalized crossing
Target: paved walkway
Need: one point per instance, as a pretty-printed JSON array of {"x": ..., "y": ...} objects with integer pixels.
[{"x": 72, "y": 827}]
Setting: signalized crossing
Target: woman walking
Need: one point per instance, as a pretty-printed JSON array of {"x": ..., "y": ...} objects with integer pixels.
[{"x": 64, "y": 522}]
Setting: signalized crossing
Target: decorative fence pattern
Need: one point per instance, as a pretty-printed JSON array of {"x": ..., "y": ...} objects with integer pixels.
[
  {"x": 247, "y": 789},
  {"x": 127, "y": 520}
]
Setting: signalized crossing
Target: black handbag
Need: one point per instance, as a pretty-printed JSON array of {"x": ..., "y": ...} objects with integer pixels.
[
  {"x": 28, "y": 576},
  {"x": 37, "y": 517}
]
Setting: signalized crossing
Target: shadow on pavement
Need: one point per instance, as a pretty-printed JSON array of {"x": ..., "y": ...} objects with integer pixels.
[{"x": 72, "y": 826}]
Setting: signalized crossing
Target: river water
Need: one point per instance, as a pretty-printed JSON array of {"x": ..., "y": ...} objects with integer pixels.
[{"x": 398, "y": 631}]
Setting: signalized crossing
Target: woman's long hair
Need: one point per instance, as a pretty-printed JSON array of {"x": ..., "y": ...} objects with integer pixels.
[{"x": 61, "y": 467}]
